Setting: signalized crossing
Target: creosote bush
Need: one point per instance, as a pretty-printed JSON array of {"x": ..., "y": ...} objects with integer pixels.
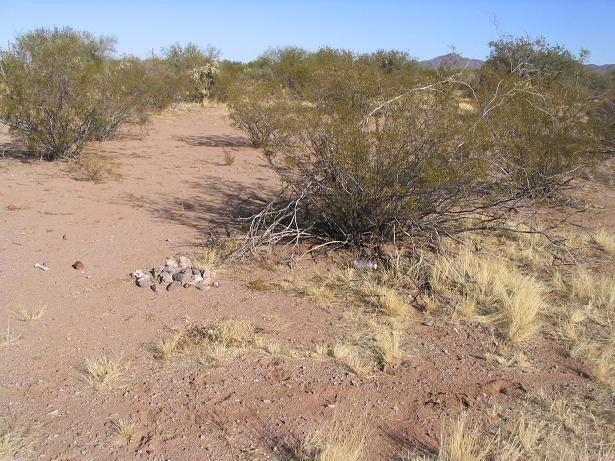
[
  {"x": 370, "y": 149},
  {"x": 59, "y": 89}
]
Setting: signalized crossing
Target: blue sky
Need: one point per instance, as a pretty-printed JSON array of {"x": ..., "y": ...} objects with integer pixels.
[{"x": 243, "y": 29}]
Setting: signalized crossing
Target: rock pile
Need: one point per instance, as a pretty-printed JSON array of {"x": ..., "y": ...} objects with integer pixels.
[{"x": 175, "y": 273}]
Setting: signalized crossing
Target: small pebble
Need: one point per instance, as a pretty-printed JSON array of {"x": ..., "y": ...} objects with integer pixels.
[
  {"x": 216, "y": 284},
  {"x": 78, "y": 266}
]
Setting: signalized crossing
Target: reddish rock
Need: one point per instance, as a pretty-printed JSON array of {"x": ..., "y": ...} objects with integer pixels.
[
  {"x": 78, "y": 266},
  {"x": 173, "y": 286}
]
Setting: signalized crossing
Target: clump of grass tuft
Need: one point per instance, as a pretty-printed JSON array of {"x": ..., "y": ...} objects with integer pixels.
[
  {"x": 492, "y": 290},
  {"x": 599, "y": 291},
  {"x": 462, "y": 442},
  {"x": 387, "y": 344},
  {"x": 258, "y": 285},
  {"x": 12, "y": 441},
  {"x": 125, "y": 429},
  {"x": 518, "y": 360},
  {"x": 209, "y": 258},
  {"x": 165, "y": 348},
  {"x": 92, "y": 168},
  {"x": 349, "y": 358},
  {"x": 8, "y": 338},
  {"x": 343, "y": 438},
  {"x": 29, "y": 316},
  {"x": 103, "y": 371},
  {"x": 229, "y": 157},
  {"x": 605, "y": 240}
]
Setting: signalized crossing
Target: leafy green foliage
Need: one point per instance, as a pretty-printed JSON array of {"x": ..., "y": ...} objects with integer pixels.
[{"x": 60, "y": 89}]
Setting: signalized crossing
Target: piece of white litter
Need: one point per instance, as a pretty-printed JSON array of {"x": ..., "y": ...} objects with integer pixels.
[{"x": 42, "y": 266}]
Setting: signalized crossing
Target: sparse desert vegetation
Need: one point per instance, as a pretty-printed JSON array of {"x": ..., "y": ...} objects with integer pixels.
[{"x": 371, "y": 259}]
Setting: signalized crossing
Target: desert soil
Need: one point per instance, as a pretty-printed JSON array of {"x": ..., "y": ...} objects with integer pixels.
[{"x": 171, "y": 190}]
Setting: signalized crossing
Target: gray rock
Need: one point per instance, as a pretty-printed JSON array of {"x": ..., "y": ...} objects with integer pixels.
[
  {"x": 184, "y": 262},
  {"x": 183, "y": 277},
  {"x": 144, "y": 281},
  {"x": 202, "y": 286},
  {"x": 165, "y": 277},
  {"x": 197, "y": 278},
  {"x": 158, "y": 270},
  {"x": 205, "y": 273},
  {"x": 155, "y": 288},
  {"x": 195, "y": 271},
  {"x": 216, "y": 284},
  {"x": 173, "y": 286}
]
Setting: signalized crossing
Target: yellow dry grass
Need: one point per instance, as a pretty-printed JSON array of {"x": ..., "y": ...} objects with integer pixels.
[
  {"x": 27, "y": 316},
  {"x": 13, "y": 440},
  {"x": 126, "y": 430},
  {"x": 103, "y": 371},
  {"x": 605, "y": 240},
  {"x": 343, "y": 438}
]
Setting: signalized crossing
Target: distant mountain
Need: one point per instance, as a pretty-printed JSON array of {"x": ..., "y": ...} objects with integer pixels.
[
  {"x": 452, "y": 60},
  {"x": 604, "y": 68},
  {"x": 455, "y": 61}
]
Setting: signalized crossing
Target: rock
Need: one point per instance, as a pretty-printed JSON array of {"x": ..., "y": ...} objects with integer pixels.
[
  {"x": 64, "y": 237},
  {"x": 165, "y": 277},
  {"x": 189, "y": 284},
  {"x": 54, "y": 413},
  {"x": 202, "y": 286},
  {"x": 41, "y": 266},
  {"x": 183, "y": 277},
  {"x": 138, "y": 274},
  {"x": 155, "y": 288},
  {"x": 197, "y": 278},
  {"x": 205, "y": 273},
  {"x": 173, "y": 286},
  {"x": 184, "y": 262},
  {"x": 195, "y": 271},
  {"x": 171, "y": 262},
  {"x": 216, "y": 285},
  {"x": 78, "y": 266},
  {"x": 145, "y": 281},
  {"x": 158, "y": 270}
]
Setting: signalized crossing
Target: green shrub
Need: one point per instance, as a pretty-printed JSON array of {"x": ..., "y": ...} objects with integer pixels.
[
  {"x": 259, "y": 111},
  {"x": 409, "y": 169},
  {"x": 60, "y": 89}
]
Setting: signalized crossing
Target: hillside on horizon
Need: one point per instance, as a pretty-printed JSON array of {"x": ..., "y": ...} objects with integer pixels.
[{"x": 455, "y": 60}]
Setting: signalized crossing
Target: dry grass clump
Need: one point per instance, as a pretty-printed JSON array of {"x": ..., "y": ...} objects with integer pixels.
[
  {"x": 605, "y": 240},
  {"x": 165, "y": 348},
  {"x": 209, "y": 258},
  {"x": 597, "y": 290},
  {"x": 229, "y": 157},
  {"x": 463, "y": 442},
  {"x": 343, "y": 438},
  {"x": 270, "y": 346},
  {"x": 385, "y": 299},
  {"x": 387, "y": 344},
  {"x": 348, "y": 356},
  {"x": 8, "y": 338},
  {"x": 517, "y": 360},
  {"x": 210, "y": 343},
  {"x": 12, "y": 441},
  {"x": 103, "y": 371},
  {"x": 258, "y": 285},
  {"x": 491, "y": 290},
  {"x": 125, "y": 429},
  {"x": 93, "y": 168},
  {"x": 27, "y": 316}
]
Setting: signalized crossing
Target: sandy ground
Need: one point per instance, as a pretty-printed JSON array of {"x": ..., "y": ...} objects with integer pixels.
[{"x": 172, "y": 189}]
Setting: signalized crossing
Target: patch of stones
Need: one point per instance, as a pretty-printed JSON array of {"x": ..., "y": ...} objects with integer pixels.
[{"x": 176, "y": 273}]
